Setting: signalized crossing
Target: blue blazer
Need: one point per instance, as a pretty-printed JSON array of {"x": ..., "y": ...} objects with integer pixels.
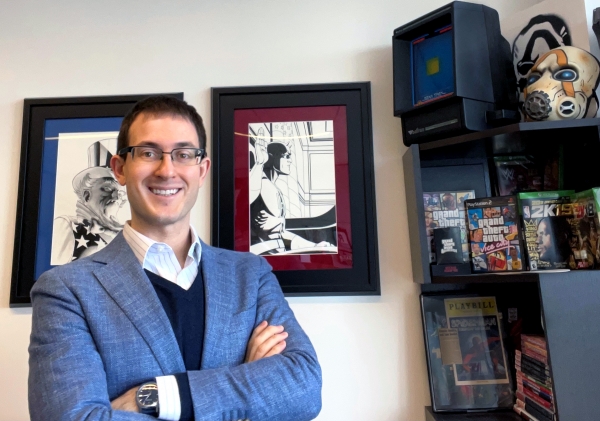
[{"x": 99, "y": 329}]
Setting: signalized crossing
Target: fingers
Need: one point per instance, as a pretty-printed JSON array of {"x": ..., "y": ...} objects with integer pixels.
[
  {"x": 277, "y": 349},
  {"x": 258, "y": 329},
  {"x": 265, "y": 340},
  {"x": 267, "y": 346}
]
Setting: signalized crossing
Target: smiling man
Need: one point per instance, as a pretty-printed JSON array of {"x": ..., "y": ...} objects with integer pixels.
[{"x": 158, "y": 323}]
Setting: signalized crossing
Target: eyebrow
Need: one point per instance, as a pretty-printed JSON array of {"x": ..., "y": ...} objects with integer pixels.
[{"x": 181, "y": 144}]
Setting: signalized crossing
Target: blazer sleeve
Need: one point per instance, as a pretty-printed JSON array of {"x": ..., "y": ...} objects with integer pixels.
[
  {"x": 67, "y": 380},
  {"x": 284, "y": 387}
]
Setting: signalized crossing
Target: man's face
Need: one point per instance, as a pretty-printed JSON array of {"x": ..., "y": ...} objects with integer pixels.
[
  {"x": 161, "y": 194},
  {"x": 285, "y": 163},
  {"x": 513, "y": 254},
  {"x": 544, "y": 240},
  {"x": 428, "y": 219},
  {"x": 449, "y": 202},
  {"x": 105, "y": 197}
]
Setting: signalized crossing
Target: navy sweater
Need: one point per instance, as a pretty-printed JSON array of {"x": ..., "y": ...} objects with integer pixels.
[{"x": 185, "y": 310}]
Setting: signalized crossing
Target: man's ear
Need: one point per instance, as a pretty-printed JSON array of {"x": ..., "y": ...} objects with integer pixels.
[
  {"x": 204, "y": 168},
  {"x": 86, "y": 195},
  {"x": 116, "y": 164}
]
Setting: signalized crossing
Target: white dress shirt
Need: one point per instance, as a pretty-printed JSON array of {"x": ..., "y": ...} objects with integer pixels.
[{"x": 160, "y": 259}]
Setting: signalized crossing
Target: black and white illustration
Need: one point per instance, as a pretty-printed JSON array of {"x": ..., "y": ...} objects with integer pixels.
[
  {"x": 90, "y": 206},
  {"x": 292, "y": 188},
  {"x": 541, "y": 28}
]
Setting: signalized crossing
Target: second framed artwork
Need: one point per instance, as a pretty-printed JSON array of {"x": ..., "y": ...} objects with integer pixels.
[
  {"x": 69, "y": 203},
  {"x": 293, "y": 182}
]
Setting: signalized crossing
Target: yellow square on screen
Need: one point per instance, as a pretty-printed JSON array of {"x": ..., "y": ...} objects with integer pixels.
[{"x": 433, "y": 66}]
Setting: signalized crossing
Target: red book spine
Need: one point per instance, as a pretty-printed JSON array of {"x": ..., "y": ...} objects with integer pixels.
[
  {"x": 537, "y": 349},
  {"x": 542, "y": 395},
  {"x": 524, "y": 378},
  {"x": 534, "y": 354},
  {"x": 526, "y": 392},
  {"x": 536, "y": 340}
]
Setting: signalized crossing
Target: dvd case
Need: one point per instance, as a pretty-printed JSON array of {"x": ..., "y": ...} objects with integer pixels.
[
  {"x": 446, "y": 209},
  {"x": 494, "y": 234},
  {"x": 585, "y": 244},
  {"x": 516, "y": 174},
  {"x": 548, "y": 224}
]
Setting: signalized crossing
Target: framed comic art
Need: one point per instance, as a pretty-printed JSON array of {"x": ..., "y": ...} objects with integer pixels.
[
  {"x": 69, "y": 203},
  {"x": 293, "y": 182}
]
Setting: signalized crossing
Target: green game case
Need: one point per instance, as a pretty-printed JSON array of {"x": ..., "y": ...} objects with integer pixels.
[
  {"x": 585, "y": 244},
  {"x": 548, "y": 222}
]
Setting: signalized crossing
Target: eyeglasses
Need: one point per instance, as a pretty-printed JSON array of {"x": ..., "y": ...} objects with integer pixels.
[{"x": 181, "y": 156}]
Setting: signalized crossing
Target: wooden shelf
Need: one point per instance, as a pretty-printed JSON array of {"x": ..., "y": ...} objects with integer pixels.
[
  {"x": 512, "y": 128},
  {"x": 507, "y": 415}
]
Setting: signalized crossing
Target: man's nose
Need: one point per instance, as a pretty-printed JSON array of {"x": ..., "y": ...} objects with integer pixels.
[{"x": 165, "y": 167}]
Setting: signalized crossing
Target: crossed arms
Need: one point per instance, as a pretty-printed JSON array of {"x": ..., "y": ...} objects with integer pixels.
[{"x": 72, "y": 376}]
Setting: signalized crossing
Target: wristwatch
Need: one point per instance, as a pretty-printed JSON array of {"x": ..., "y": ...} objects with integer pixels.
[{"x": 146, "y": 398}]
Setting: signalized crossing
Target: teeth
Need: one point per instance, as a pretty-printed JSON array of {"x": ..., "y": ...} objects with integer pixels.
[{"x": 164, "y": 192}]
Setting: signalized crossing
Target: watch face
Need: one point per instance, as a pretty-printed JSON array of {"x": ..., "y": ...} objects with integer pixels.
[{"x": 147, "y": 395}]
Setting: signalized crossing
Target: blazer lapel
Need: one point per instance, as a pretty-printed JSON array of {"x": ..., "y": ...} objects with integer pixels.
[
  {"x": 219, "y": 295},
  {"x": 125, "y": 281}
]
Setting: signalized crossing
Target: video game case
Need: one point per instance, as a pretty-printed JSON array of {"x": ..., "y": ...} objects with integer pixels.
[
  {"x": 533, "y": 384},
  {"x": 548, "y": 229},
  {"x": 540, "y": 358},
  {"x": 446, "y": 209},
  {"x": 537, "y": 412},
  {"x": 532, "y": 362},
  {"x": 545, "y": 412},
  {"x": 538, "y": 340},
  {"x": 523, "y": 393},
  {"x": 523, "y": 413},
  {"x": 585, "y": 244},
  {"x": 543, "y": 386},
  {"x": 537, "y": 368},
  {"x": 535, "y": 353},
  {"x": 521, "y": 173},
  {"x": 535, "y": 362},
  {"x": 540, "y": 377},
  {"x": 494, "y": 234},
  {"x": 545, "y": 396},
  {"x": 536, "y": 350}
]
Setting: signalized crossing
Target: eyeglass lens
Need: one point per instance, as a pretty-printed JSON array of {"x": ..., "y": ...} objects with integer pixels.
[{"x": 185, "y": 156}]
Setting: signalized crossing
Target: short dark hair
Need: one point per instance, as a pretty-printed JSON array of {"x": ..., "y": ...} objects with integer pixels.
[
  {"x": 275, "y": 150},
  {"x": 161, "y": 106}
]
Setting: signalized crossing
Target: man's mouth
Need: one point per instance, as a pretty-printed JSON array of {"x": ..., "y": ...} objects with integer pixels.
[{"x": 163, "y": 192}]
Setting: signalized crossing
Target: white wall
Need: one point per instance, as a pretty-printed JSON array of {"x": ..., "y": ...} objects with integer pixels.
[{"x": 371, "y": 349}]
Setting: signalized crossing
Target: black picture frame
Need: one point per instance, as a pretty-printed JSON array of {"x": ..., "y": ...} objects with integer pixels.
[
  {"x": 36, "y": 111},
  {"x": 450, "y": 392},
  {"x": 363, "y": 277}
]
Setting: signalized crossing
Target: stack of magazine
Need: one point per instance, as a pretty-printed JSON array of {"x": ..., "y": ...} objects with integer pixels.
[{"x": 535, "y": 400}]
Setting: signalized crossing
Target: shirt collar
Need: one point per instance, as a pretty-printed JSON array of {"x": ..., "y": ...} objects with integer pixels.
[{"x": 142, "y": 245}]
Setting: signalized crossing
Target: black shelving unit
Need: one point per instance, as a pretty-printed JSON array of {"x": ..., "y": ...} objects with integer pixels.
[{"x": 569, "y": 301}]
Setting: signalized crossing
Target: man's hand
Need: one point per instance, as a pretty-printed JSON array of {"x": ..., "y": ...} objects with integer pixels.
[
  {"x": 260, "y": 148},
  {"x": 126, "y": 402},
  {"x": 265, "y": 341}
]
